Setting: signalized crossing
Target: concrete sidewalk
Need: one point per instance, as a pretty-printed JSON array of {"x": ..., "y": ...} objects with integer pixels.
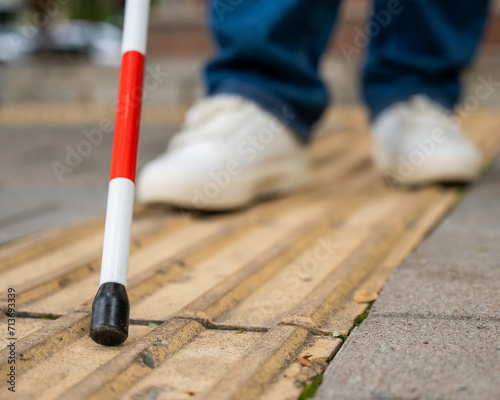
[
  {"x": 434, "y": 332},
  {"x": 247, "y": 305}
]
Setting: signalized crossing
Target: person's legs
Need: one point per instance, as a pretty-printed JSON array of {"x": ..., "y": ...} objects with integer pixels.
[
  {"x": 411, "y": 84},
  {"x": 422, "y": 49},
  {"x": 245, "y": 140},
  {"x": 268, "y": 52}
]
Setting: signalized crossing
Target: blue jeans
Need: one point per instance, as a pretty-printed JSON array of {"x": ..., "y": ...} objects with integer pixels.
[{"x": 269, "y": 50}]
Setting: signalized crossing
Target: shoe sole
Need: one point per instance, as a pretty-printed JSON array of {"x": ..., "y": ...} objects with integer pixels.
[
  {"x": 266, "y": 181},
  {"x": 427, "y": 176}
]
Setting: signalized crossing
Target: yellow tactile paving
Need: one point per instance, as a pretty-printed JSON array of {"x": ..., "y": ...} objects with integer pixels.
[
  {"x": 48, "y": 114},
  {"x": 223, "y": 304}
]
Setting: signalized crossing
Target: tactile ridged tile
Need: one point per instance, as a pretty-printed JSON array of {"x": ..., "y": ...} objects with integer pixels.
[
  {"x": 47, "y": 114},
  {"x": 223, "y": 304}
]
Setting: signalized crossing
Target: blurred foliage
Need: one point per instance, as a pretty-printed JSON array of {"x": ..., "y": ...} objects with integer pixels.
[
  {"x": 90, "y": 10},
  {"x": 94, "y": 10}
]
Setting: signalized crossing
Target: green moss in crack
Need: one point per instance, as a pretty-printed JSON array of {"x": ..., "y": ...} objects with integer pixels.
[
  {"x": 361, "y": 317},
  {"x": 337, "y": 334},
  {"x": 310, "y": 390}
]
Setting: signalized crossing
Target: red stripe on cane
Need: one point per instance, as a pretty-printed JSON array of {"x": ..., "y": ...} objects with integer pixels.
[{"x": 128, "y": 114}]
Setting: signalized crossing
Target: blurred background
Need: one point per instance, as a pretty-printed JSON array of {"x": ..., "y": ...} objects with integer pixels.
[{"x": 59, "y": 66}]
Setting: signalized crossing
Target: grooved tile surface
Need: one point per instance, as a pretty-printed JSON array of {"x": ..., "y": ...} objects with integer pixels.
[{"x": 223, "y": 306}]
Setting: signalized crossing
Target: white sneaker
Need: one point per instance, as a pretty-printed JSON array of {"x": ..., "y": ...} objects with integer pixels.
[
  {"x": 229, "y": 152},
  {"x": 419, "y": 141}
]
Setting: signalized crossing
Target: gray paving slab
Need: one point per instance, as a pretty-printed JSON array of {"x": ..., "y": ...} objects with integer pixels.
[
  {"x": 467, "y": 246},
  {"x": 416, "y": 358},
  {"x": 32, "y": 198},
  {"x": 434, "y": 331},
  {"x": 480, "y": 211},
  {"x": 27, "y": 209},
  {"x": 455, "y": 272},
  {"x": 444, "y": 289}
]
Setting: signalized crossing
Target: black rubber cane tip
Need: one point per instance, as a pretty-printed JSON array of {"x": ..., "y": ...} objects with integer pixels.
[{"x": 110, "y": 315}]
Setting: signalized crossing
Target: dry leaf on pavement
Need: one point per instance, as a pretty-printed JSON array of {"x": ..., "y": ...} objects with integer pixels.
[
  {"x": 304, "y": 361},
  {"x": 365, "y": 296}
]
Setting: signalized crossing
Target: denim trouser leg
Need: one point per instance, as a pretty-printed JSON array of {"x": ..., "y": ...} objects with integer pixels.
[
  {"x": 421, "y": 48},
  {"x": 268, "y": 51}
]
